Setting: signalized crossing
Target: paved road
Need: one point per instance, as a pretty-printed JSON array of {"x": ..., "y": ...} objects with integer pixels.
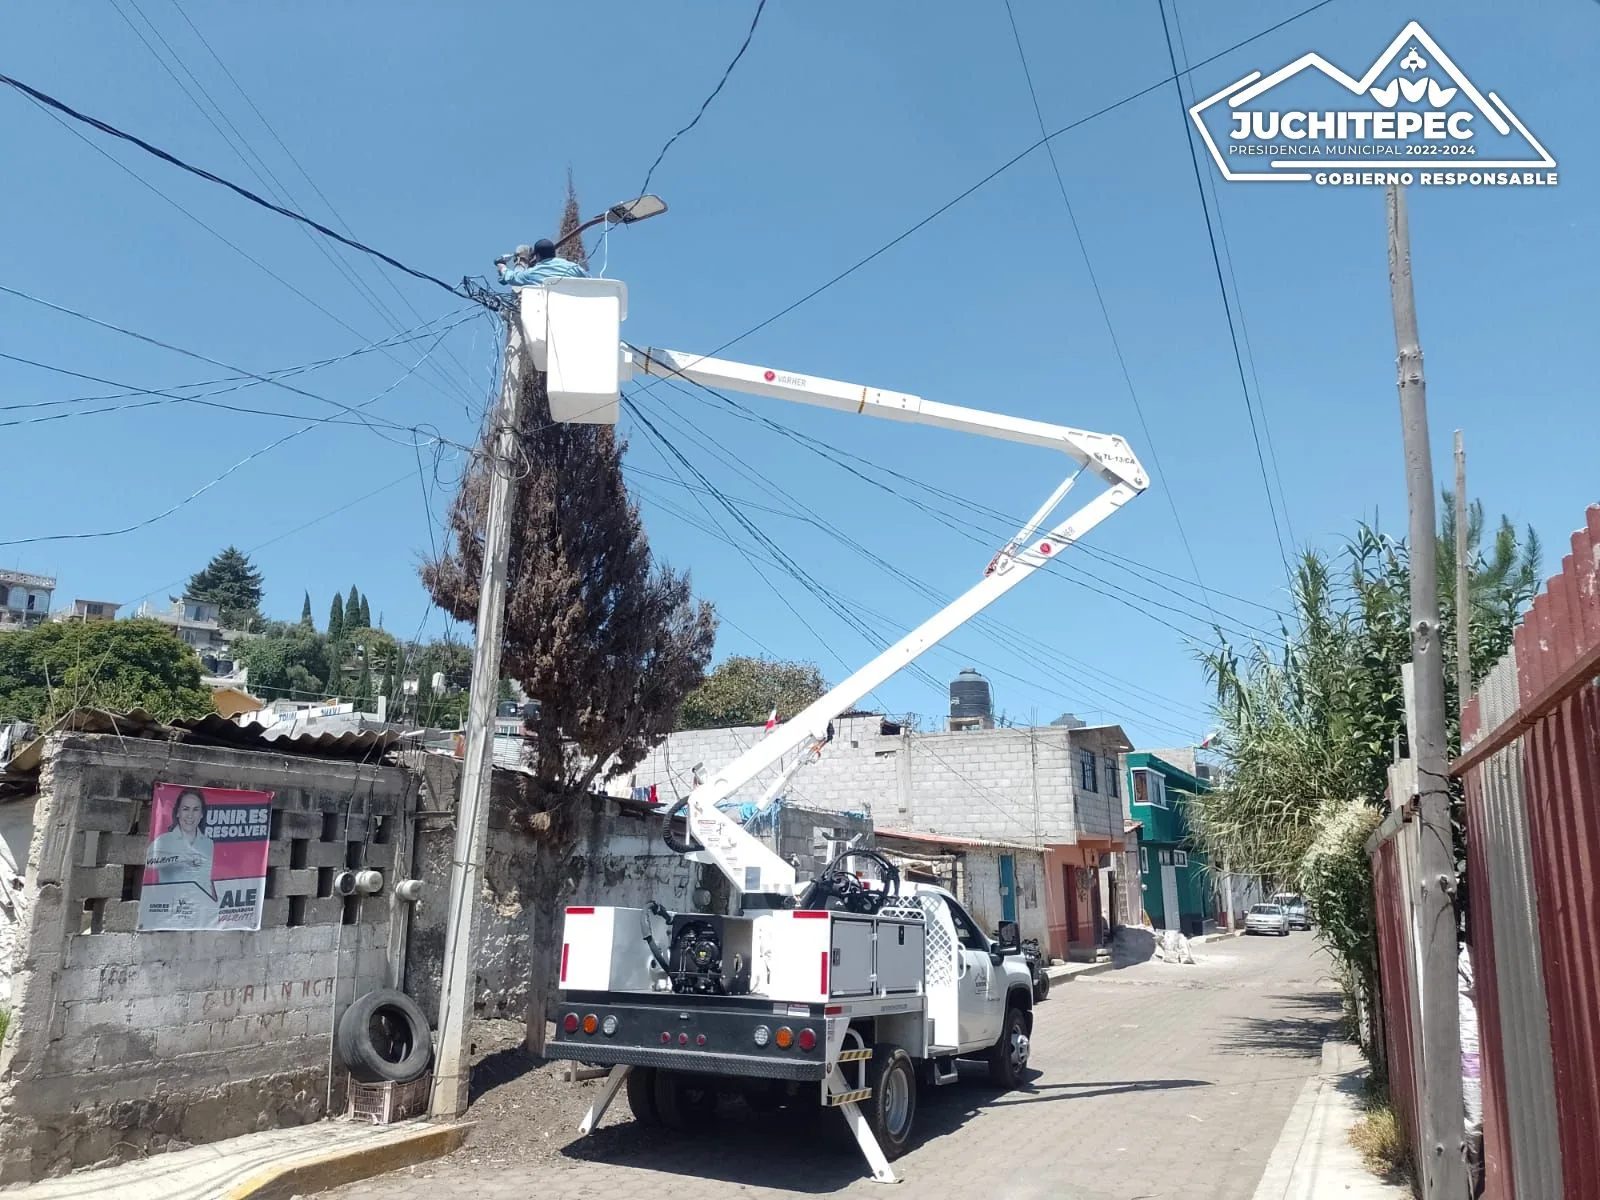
[{"x": 1152, "y": 1081}]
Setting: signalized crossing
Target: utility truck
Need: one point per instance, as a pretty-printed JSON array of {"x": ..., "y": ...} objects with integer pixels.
[{"x": 856, "y": 987}]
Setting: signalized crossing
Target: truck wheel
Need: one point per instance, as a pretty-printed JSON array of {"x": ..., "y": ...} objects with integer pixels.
[
  {"x": 683, "y": 1105},
  {"x": 892, "y": 1107},
  {"x": 1008, "y": 1057},
  {"x": 642, "y": 1095}
]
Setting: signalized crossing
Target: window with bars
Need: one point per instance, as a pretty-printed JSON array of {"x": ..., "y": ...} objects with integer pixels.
[
  {"x": 1088, "y": 771},
  {"x": 1111, "y": 779}
]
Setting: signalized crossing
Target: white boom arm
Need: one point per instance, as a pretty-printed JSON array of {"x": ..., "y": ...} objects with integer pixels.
[{"x": 749, "y": 865}]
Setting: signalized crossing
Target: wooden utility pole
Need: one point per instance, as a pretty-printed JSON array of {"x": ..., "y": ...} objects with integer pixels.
[
  {"x": 453, "y": 1067},
  {"x": 1442, "y": 1119},
  {"x": 1463, "y": 585}
]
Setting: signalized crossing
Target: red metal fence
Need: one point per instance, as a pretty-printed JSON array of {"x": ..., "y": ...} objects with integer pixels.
[{"x": 1531, "y": 768}]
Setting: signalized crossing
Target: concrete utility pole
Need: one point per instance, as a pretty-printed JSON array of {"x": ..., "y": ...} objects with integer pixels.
[
  {"x": 1442, "y": 1118},
  {"x": 453, "y": 1068},
  {"x": 1463, "y": 583}
]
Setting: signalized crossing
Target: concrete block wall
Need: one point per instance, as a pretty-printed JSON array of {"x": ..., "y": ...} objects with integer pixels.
[
  {"x": 125, "y": 1043},
  {"x": 619, "y": 859},
  {"x": 981, "y": 890},
  {"x": 979, "y": 784}
]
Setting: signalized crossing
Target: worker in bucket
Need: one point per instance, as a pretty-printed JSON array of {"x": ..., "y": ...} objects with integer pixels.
[{"x": 536, "y": 264}]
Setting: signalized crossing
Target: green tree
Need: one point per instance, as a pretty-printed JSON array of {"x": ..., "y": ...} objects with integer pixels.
[
  {"x": 744, "y": 691},
  {"x": 286, "y": 662},
  {"x": 1308, "y": 730},
  {"x": 305, "y": 613},
  {"x": 336, "y": 619},
  {"x": 118, "y": 665},
  {"x": 352, "y": 609},
  {"x": 363, "y": 696},
  {"x": 231, "y": 582},
  {"x": 366, "y": 614},
  {"x": 607, "y": 639}
]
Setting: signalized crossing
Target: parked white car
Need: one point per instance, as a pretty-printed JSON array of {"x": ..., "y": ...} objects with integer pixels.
[{"x": 1267, "y": 918}]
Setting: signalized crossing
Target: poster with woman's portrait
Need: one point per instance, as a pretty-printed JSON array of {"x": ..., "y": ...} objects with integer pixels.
[{"x": 206, "y": 867}]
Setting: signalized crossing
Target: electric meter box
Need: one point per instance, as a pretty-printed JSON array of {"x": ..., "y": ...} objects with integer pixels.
[{"x": 573, "y": 330}]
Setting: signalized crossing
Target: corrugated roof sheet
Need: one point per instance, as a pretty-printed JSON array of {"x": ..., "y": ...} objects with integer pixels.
[{"x": 209, "y": 730}]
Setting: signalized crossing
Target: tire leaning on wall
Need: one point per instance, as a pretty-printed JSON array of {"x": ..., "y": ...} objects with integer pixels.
[{"x": 384, "y": 1037}]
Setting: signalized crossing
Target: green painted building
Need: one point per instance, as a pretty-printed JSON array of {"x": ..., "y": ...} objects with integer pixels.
[{"x": 1176, "y": 884}]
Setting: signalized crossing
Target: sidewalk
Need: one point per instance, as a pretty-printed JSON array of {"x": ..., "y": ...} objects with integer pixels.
[
  {"x": 1314, "y": 1158},
  {"x": 273, "y": 1165}
]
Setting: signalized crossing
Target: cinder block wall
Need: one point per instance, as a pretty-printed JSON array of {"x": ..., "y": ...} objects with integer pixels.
[{"x": 124, "y": 1043}]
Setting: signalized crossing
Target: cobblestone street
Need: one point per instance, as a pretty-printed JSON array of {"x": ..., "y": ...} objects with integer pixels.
[{"x": 1152, "y": 1081}]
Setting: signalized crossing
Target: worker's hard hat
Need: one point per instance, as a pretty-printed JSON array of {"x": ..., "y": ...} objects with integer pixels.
[{"x": 544, "y": 248}]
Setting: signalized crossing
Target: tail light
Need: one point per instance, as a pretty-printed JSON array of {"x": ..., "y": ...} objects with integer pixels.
[
  {"x": 807, "y": 1039},
  {"x": 763, "y": 1035},
  {"x": 591, "y": 1023},
  {"x": 570, "y": 1023},
  {"x": 683, "y": 1039},
  {"x": 609, "y": 1026},
  {"x": 784, "y": 1038},
  {"x": 666, "y": 1038},
  {"x": 699, "y": 1039}
]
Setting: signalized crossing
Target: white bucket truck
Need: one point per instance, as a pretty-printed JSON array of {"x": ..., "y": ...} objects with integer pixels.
[{"x": 855, "y": 986}]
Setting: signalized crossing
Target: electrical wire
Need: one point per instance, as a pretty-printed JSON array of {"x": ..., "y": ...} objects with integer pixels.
[
  {"x": 211, "y": 177},
  {"x": 1000, "y": 170},
  {"x": 706, "y": 103},
  {"x": 354, "y": 411},
  {"x": 206, "y": 487},
  {"x": 275, "y": 185},
  {"x": 1105, "y": 312},
  {"x": 1227, "y": 306},
  {"x": 1238, "y": 299}
]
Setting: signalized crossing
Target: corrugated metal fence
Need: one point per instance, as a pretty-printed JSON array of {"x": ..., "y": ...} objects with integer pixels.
[{"x": 1530, "y": 768}]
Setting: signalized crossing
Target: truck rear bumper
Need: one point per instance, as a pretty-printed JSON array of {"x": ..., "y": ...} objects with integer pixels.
[
  {"x": 688, "y": 1061},
  {"x": 693, "y": 1034}
]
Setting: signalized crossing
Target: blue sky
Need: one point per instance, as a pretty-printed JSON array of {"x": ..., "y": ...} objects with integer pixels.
[{"x": 443, "y": 134}]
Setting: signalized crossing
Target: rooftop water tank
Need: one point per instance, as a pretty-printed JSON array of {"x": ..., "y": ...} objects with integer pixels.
[{"x": 970, "y": 696}]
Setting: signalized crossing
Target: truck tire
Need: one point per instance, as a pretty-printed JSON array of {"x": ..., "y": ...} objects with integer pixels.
[
  {"x": 891, "y": 1110},
  {"x": 384, "y": 1038},
  {"x": 642, "y": 1096},
  {"x": 681, "y": 1103},
  {"x": 1008, "y": 1057}
]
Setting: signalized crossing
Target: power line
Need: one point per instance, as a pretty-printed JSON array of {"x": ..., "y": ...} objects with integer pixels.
[
  {"x": 1227, "y": 306},
  {"x": 1105, "y": 312},
  {"x": 1244, "y": 324},
  {"x": 704, "y": 104},
  {"x": 211, "y": 177},
  {"x": 965, "y": 529},
  {"x": 206, "y": 487},
  {"x": 284, "y": 195},
  {"x": 1000, "y": 170},
  {"x": 267, "y": 379}
]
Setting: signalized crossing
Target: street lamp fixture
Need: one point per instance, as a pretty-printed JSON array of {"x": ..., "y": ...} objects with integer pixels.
[{"x": 629, "y": 212}]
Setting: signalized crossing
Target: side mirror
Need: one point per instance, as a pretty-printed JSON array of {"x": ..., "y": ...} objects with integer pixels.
[{"x": 1009, "y": 938}]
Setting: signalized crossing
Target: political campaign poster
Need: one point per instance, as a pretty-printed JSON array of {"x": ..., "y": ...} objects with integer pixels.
[{"x": 206, "y": 868}]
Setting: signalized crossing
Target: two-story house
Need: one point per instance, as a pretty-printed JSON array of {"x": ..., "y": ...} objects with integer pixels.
[
  {"x": 24, "y": 599},
  {"x": 1052, "y": 787},
  {"x": 1174, "y": 879},
  {"x": 195, "y": 621}
]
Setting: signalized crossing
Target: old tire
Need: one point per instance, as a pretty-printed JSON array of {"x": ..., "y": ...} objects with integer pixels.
[
  {"x": 1008, "y": 1057},
  {"x": 384, "y": 1038},
  {"x": 681, "y": 1103},
  {"x": 1041, "y": 990},
  {"x": 642, "y": 1095},
  {"x": 891, "y": 1110}
]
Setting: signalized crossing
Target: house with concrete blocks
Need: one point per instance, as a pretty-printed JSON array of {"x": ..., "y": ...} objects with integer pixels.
[{"x": 1056, "y": 788}]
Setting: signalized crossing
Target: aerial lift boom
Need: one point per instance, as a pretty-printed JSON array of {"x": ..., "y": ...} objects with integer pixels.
[{"x": 763, "y": 877}]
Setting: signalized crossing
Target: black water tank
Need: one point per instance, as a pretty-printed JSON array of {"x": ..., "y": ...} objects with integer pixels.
[{"x": 969, "y": 695}]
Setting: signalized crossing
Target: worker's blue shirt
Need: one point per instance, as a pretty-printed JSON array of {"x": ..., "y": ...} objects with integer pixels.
[{"x": 550, "y": 268}]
